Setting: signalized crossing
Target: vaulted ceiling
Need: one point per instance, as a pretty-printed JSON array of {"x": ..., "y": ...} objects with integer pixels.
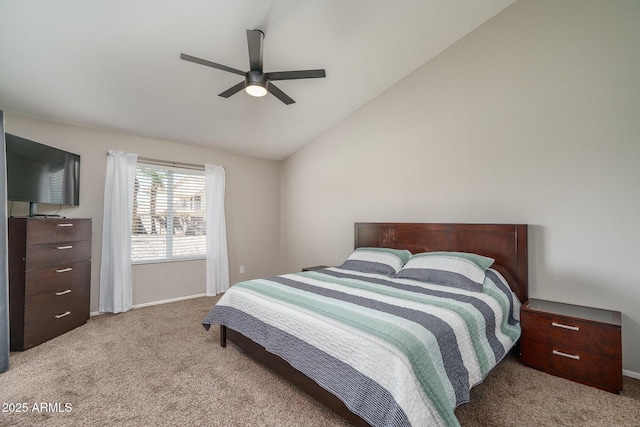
[{"x": 116, "y": 64}]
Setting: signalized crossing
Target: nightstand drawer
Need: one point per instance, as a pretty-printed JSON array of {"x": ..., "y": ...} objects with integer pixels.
[
  {"x": 586, "y": 336},
  {"x": 573, "y": 364}
]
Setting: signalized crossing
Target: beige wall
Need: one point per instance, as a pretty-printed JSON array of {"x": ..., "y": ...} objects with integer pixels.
[
  {"x": 532, "y": 118},
  {"x": 252, "y": 206}
]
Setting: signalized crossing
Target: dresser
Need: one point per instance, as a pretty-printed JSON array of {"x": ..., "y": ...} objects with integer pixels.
[
  {"x": 578, "y": 343},
  {"x": 49, "y": 278}
]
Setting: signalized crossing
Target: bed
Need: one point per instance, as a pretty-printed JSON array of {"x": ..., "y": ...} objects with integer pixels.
[{"x": 395, "y": 335}]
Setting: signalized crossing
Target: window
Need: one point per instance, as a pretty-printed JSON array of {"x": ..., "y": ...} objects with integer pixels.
[{"x": 169, "y": 221}]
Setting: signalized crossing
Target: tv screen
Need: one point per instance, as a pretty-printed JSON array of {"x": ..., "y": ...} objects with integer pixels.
[{"x": 38, "y": 173}]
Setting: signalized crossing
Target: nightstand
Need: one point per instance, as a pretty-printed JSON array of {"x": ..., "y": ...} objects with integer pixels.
[
  {"x": 315, "y": 267},
  {"x": 578, "y": 343}
]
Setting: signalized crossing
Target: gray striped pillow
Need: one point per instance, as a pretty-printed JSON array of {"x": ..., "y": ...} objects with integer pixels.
[
  {"x": 384, "y": 261},
  {"x": 457, "y": 269}
]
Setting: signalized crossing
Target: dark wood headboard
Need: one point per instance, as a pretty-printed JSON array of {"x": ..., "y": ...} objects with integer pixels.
[{"x": 505, "y": 243}]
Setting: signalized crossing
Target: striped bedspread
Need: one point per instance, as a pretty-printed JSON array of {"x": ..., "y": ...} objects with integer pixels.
[{"x": 397, "y": 352}]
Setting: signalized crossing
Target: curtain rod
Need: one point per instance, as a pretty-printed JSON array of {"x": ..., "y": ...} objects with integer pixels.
[{"x": 171, "y": 163}]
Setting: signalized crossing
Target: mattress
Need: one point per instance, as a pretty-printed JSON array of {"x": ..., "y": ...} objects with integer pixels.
[{"x": 397, "y": 352}]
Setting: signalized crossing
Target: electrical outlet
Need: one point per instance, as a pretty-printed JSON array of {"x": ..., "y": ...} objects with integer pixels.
[{"x": 242, "y": 269}]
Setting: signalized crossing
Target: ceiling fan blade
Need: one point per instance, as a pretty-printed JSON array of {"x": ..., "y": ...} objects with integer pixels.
[
  {"x": 292, "y": 75},
  {"x": 210, "y": 64},
  {"x": 254, "y": 40},
  {"x": 273, "y": 89},
  {"x": 232, "y": 90}
]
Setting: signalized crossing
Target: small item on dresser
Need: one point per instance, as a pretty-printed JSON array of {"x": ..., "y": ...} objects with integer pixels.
[{"x": 578, "y": 343}]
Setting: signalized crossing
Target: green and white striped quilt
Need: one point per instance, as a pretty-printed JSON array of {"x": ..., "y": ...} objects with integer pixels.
[{"x": 397, "y": 352}]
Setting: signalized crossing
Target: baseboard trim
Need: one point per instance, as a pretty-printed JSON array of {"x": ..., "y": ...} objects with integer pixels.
[
  {"x": 164, "y": 301},
  {"x": 631, "y": 374}
]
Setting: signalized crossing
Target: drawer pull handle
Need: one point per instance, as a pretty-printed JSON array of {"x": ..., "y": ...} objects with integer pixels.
[
  {"x": 570, "y": 356},
  {"x": 66, "y": 313},
  {"x": 64, "y": 247},
  {"x": 63, "y": 292},
  {"x": 64, "y": 270},
  {"x": 560, "y": 325},
  {"x": 65, "y": 225}
]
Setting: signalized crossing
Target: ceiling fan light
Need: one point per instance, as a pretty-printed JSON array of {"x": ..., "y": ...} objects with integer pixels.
[{"x": 256, "y": 90}]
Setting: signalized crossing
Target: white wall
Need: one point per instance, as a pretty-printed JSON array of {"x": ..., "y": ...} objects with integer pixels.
[
  {"x": 252, "y": 206},
  {"x": 532, "y": 118}
]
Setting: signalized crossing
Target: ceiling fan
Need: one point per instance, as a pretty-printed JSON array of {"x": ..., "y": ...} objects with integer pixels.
[{"x": 256, "y": 82}]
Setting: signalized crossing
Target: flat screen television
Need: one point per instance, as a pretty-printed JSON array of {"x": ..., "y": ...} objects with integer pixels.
[{"x": 38, "y": 173}]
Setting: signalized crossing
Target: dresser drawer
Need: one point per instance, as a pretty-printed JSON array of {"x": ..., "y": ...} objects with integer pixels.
[
  {"x": 598, "y": 339},
  {"x": 48, "y": 305},
  {"x": 43, "y": 329},
  {"x": 51, "y": 230},
  {"x": 58, "y": 278},
  {"x": 573, "y": 364},
  {"x": 50, "y": 254}
]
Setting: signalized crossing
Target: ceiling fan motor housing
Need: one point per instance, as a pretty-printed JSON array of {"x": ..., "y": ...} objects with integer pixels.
[{"x": 255, "y": 78}]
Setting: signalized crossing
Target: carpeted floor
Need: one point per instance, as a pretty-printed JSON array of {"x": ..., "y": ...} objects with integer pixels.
[{"x": 157, "y": 366}]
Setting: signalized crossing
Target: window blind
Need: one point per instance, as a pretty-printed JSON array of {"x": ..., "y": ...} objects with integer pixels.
[{"x": 169, "y": 217}]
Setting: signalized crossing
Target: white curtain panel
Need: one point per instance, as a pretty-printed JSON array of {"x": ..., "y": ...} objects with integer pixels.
[
  {"x": 217, "y": 257},
  {"x": 115, "y": 270}
]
